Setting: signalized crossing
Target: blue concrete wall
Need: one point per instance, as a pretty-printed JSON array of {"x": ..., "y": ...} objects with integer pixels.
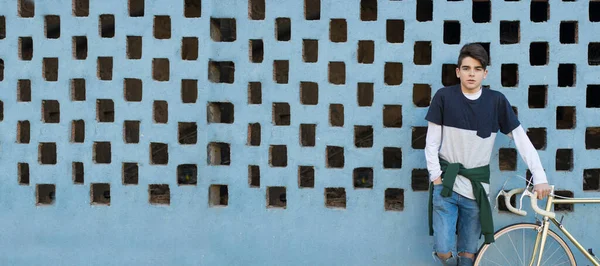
[{"x": 188, "y": 231}]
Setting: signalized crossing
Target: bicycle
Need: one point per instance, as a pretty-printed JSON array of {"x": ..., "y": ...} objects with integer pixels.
[{"x": 526, "y": 243}]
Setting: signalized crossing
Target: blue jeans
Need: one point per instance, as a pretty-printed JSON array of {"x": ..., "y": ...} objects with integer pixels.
[{"x": 455, "y": 223}]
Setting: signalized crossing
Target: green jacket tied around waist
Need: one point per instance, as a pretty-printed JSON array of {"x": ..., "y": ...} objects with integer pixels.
[{"x": 477, "y": 176}]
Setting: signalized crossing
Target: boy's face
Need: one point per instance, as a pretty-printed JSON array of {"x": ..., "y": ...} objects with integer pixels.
[{"x": 471, "y": 73}]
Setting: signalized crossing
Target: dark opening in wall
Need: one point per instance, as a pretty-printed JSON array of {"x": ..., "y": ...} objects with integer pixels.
[
  {"x": 363, "y": 136},
  {"x": 52, "y": 26},
  {"x": 310, "y": 51},
  {"x": 160, "y": 112},
  {"x": 102, "y": 152},
  {"x": 502, "y": 202},
  {"x": 281, "y": 71},
  {"x": 105, "y": 110},
  {"x": 81, "y": 8},
  {"x": 366, "y": 52},
  {"x": 51, "y": 111},
  {"x": 254, "y": 176},
  {"x": 421, "y": 95},
  {"x": 276, "y": 197},
  {"x": 420, "y": 180},
  {"x": 335, "y": 197},
  {"x": 218, "y": 196},
  {"x": 510, "y": 32},
  {"x": 336, "y": 115},
  {"x": 130, "y": 173},
  {"x": 306, "y": 176},
  {"x": 365, "y": 94},
  {"x": 449, "y": 77},
  {"x": 221, "y": 72},
  {"x": 134, "y": 47},
  {"x": 537, "y": 137},
  {"x": 107, "y": 26},
  {"x": 422, "y": 53},
  {"x": 256, "y": 51},
  {"x": 594, "y": 11},
  {"x": 50, "y": 66},
  {"x": 565, "y": 117},
  {"x": 78, "y": 173},
  {"x": 254, "y": 133},
  {"x": 131, "y": 132},
  {"x": 223, "y": 29},
  {"x": 159, "y": 153},
  {"x": 594, "y": 53},
  {"x": 567, "y": 75},
  {"x": 538, "y": 95},
  {"x": 159, "y": 194},
  {"x": 161, "y": 69},
  {"x": 507, "y": 159},
  {"x": 312, "y": 9},
  {"x": 591, "y": 179},
  {"x": 335, "y": 157},
  {"x": 77, "y": 131},
  {"x": 392, "y": 116},
  {"x": 568, "y": 32},
  {"x": 24, "y": 90},
  {"x": 567, "y": 207},
  {"x": 538, "y": 53},
  {"x": 593, "y": 96},
  {"x": 564, "y": 160},
  {"x": 394, "y": 199},
  {"x": 392, "y": 158},
  {"x": 192, "y": 8},
  {"x": 105, "y": 68},
  {"x": 338, "y": 30},
  {"x": 283, "y": 29},
  {"x": 592, "y": 138},
  {"x": 394, "y": 30},
  {"x": 100, "y": 193},
  {"x": 451, "y": 32},
  {"x": 307, "y": 135},
  {"x": 393, "y": 73},
  {"x": 218, "y": 153},
  {"x": 281, "y": 114},
  {"x": 26, "y": 8},
  {"x": 187, "y": 133},
  {"x": 278, "y": 156},
  {"x": 23, "y": 169},
  {"x": 2, "y": 27},
  {"x": 136, "y": 8},
  {"x": 510, "y": 75},
  {"x": 424, "y": 10},
  {"x": 45, "y": 194},
  {"x": 309, "y": 93},
  {"x": 337, "y": 73},
  {"x": 220, "y": 112},
  {"x": 189, "y": 48},
  {"x": 482, "y": 11},
  {"x": 363, "y": 177},
  {"x": 187, "y": 174},
  {"x": 254, "y": 93},
  {"x": 189, "y": 90},
  {"x": 80, "y": 47},
  {"x": 256, "y": 9},
  {"x": 23, "y": 132},
  {"x": 368, "y": 10},
  {"x": 539, "y": 11},
  {"x": 418, "y": 137}
]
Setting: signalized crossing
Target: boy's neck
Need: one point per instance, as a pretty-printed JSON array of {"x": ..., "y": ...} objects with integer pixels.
[{"x": 467, "y": 91}]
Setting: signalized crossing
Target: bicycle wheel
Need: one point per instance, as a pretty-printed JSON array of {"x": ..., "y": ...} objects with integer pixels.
[{"x": 514, "y": 246}]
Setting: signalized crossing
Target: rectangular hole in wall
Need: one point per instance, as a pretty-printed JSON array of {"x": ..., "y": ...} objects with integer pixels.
[
  {"x": 159, "y": 153},
  {"x": 592, "y": 138},
  {"x": 23, "y": 132},
  {"x": 363, "y": 177},
  {"x": 278, "y": 156},
  {"x": 368, "y": 10},
  {"x": 421, "y": 95},
  {"x": 254, "y": 176},
  {"x": 509, "y": 75},
  {"x": 102, "y": 152},
  {"x": 337, "y": 73},
  {"x": 507, "y": 159},
  {"x": 24, "y": 90},
  {"x": 220, "y": 112},
  {"x": 130, "y": 173},
  {"x": 78, "y": 173},
  {"x": 565, "y": 117},
  {"x": 254, "y": 93},
  {"x": 594, "y": 53},
  {"x": 335, "y": 197},
  {"x": 537, "y": 137},
  {"x": 594, "y": 11},
  {"x": 564, "y": 160},
  {"x": 394, "y": 30},
  {"x": 134, "y": 47},
  {"x": 107, "y": 26},
  {"x": 189, "y": 48},
  {"x": 592, "y": 96},
  {"x": 335, "y": 157},
  {"x": 1, "y": 102},
  {"x": 160, "y": 112},
  {"x": 422, "y": 53},
  {"x": 591, "y": 179},
  {"x": 45, "y": 194},
  {"x": 50, "y": 66},
  {"x": 420, "y": 180},
  {"x": 392, "y": 116},
  {"x": 283, "y": 29},
  {"x": 105, "y": 110},
  {"x": 218, "y": 196},
  {"x": 162, "y": 27},
  {"x": 52, "y": 26},
  {"x": 281, "y": 114},
  {"x": 537, "y": 96},
  {"x": 449, "y": 75},
  {"x": 254, "y": 133},
  {"x": 538, "y": 53},
  {"x": 392, "y": 158},
  {"x": 223, "y": 29},
  {"x": 187, "y": 174},
  {"x": 567, "y": 75},
  {"x": 365, "y": 94},
  {"x": 218, "y": 153},
  {"x": 2, "y": 27},
  {"x": 276, "y": 197},
  {"x": 309, "y": 93},
  {"x": 566, "y": 207},
  {"x": 363, "y": 136},
  {"x": 105, "y": 68},
  {"x": 424, "y": 10},
  {"x": 136, "y": 8},
  {"x": 336, "y": 115},
  {"x": 47, "y": 153},
  {"x": 51, "y": 111},
  {"x": 256, "y": 51},
  {"x": 482, "y": 11},
  {"x": 338, "y": 30},
  {"x": 189, "y": 90},
  {"x": 187, "y": 133},
  {"x": 81, "y": 8},
  {"x": 308, "y": 135},
  {"x": 486, "y": 47},
  {"x": 418, "y": 137},
  {"x": 131, "y": 131},
  {"x": 80, "y": 47},
  {"x": 394, "y": 199},
  {"x": 312, "y": 9},
  {"x": 161, "y": 69},
  {"x": 306, "y": 176},
  {"x": 77, "y": 131},
  {"x": 281, "y": 71},
  {"x": 366, "y": 52},
  {"x": 221, "y": 72},
  {"x": 568, "y": 32},
  {"x": 510, "y": 32},
  {"x": 539, "y": 11},
  {"x": 256, "y": 9},
  {"x": 132, "y": 89},
  {"x": 100, "y": 193},
  {"x": 23, "y": 169},
  {"x": 393, "y": 73},
  {"x": 159, "y": 194},
  {"x": 310, "y": 51},
  {"x": 26, "y": 8},
  {"x": 451, "y": 32},
  {"x": 192, "y": 8}
]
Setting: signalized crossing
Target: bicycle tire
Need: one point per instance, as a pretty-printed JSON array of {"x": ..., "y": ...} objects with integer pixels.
[{"x": 487, "y": 252}]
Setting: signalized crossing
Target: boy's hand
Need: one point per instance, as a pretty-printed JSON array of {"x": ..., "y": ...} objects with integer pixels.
[
  {"x": 543, "y": 190},
  {"x": 438, "y": 181}
]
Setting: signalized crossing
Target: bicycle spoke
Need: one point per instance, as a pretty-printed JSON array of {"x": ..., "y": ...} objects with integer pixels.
[
  {"x": 515, "y": 248},
  {"x": 493, "y": 262}
]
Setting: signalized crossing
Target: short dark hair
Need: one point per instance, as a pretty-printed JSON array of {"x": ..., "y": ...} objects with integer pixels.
[{"x": 475, "y": 51}]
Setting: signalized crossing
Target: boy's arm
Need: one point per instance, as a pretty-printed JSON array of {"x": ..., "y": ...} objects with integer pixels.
[
  {"x": 532, "y": 159},
  {"x": 433, "y": 142}
]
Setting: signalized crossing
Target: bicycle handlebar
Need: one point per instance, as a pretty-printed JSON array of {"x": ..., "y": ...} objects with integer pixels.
[{"x": 534, "y": 205}]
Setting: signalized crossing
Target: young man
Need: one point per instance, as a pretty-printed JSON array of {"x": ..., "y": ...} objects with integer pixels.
[{"x": 463, "y": 121}]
